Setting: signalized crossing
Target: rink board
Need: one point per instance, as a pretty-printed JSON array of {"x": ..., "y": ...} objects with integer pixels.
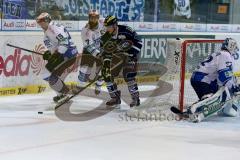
[{"x": 22, "y": 72}]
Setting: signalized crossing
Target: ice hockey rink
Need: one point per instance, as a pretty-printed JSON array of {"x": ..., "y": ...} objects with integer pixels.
[{"x": 27, "y": 135}]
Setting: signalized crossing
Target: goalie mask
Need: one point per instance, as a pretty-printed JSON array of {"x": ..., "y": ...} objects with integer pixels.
[
  {"x": 44, "y": 17},
  {"x": 93, "y": 18},
  {"x": 182, "y": 8},
  {"x": 230, "y": 45}
]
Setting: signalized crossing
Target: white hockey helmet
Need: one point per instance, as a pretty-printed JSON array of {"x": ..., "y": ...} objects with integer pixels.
[
  {"x": 230, "y": 45},
  {"x": 44, "y": 17}
]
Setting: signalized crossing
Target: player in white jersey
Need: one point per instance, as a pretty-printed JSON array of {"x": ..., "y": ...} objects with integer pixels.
[
  {"x": 91, "y": 34},
  {"x": 217, "y": 71},
  {"x": 60, "y": 55}
]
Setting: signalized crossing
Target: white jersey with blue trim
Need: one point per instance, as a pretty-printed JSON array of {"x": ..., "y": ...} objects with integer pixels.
[
  {"x": 57, "y": 38},
  {"x": 92, "y": 36},
  {"x": 218, "y": 66}
]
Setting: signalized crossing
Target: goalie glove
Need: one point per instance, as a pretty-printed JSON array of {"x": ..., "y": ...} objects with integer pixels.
[{"x": 54, "y": 60}]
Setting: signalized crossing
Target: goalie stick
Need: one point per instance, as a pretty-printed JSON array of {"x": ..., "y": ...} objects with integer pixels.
[{"x": 182, "y": 115}]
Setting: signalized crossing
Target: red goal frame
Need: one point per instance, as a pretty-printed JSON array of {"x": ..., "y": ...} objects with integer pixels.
[{"x": 183, "y": 65}]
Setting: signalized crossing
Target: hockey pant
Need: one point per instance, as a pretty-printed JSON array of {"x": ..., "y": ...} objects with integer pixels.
[
  {"x": 56, "y": 79},
  {"x": 202, "y": 88}
]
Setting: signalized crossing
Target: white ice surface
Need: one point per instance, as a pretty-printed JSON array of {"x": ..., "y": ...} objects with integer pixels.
[{"x": 26, "y": 135}]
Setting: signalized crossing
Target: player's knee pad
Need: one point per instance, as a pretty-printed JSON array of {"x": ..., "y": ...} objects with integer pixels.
[
  {"x": 99, "y": 82},
  {"x": 129, "y": 75},
  {"x": 85, "y": 69},
  {"x": 52, "y": 79},
  {"x": 56, "y": 83},
  {"x": 231, "y": 109},
  {"x": 84, "y": 74}
]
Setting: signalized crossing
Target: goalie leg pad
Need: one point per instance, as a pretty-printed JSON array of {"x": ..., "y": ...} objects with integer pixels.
[
  {"x": 230, "y": 109},
  {"x": 209, "y": 106}
]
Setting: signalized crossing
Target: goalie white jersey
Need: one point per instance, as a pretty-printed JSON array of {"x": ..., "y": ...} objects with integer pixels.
[
  {"x": 90, "y": 36},
  {"x": 57, "y": 38},
  {"x": 218, "y": 66}
]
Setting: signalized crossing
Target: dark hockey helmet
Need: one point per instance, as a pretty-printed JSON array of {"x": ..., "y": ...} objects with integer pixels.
[
  {"x": 230, "y": 45},
  {"x": 44, "y": 17},
  {"x": 110, "y": 20}
]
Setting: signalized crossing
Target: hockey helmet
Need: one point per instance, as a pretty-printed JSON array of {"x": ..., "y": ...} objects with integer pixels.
[
  {"x": 93, "y": 13},
  {"x": 110, "y": 20},
  {"x": 44, "y": 17},
  {"x": 230, "y": 45}
]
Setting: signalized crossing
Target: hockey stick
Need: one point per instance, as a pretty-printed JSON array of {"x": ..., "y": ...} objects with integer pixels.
[
  {"x": 89, "y": 84},
  {"x": 105, "y": 38},
  {"x": 24, "y": 49}
]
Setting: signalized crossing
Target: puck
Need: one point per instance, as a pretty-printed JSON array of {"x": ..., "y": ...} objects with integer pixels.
[{"x": 40, "y": 112}]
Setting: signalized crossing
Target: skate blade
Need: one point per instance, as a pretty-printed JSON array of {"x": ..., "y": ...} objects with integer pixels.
[{"x": 117, "y": 106}]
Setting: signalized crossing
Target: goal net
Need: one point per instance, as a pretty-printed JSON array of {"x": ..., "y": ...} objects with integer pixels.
[{"x": 182, "y": 58}]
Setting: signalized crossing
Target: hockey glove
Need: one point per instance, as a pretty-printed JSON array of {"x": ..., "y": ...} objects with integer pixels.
[
  {"x": 54, "y": 60},
  {"x": 90, "y": 49},
  {"x": 46, "y": 55}
]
